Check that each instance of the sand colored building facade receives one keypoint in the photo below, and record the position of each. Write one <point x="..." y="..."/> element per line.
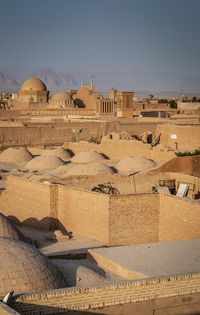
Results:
<point x="34" y="95"/>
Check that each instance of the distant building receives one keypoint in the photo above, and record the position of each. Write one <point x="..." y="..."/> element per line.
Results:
<point x="34" y="95"/>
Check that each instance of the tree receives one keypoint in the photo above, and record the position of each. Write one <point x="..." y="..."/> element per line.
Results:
<point x="173" y="104"/>
<point x="194" y="99"/>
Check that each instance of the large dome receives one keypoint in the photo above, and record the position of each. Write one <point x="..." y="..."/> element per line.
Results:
<point x="26" y="269"/>
<point x="33" y="84"/>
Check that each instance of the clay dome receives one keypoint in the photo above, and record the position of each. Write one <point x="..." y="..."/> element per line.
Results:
<point x="87" y="156"/>
<point x="26" y="269"/>
<point x="12" y="155"/>
<point x="33" y="84"/>
<point x="95" y="168"/>
<point x="131" y="164"/>
<point x="60" y="97"/>
<point x="59" y="152"/>
<point x="7" y="229"/>
<point x="44" y="162"/>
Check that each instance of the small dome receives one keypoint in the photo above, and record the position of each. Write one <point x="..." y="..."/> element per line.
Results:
<point x="12" y="155"/>
<point x="59" y="152"/>
<point x="7" y="229"/>
<point x="131" y="164"/>
<point x="95" y="168"/>
<point x="26" y="269"/>
<point x="60" y="97"/>
<point x="44" y="162"/>
<point x="87" y="156"/>
<point x="33" y="84"/>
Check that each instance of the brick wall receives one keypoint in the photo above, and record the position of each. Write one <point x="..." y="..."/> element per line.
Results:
<point x="84" y="212"/>
<point x="179" y="218"/>
<point x="114" y="220"/>
<point x="27" y="201"/>
<point x="93" y="297"/>
<point x="133" y="219"/>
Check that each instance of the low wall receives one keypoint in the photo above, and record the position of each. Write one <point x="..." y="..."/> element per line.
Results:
<point x="133" y="219"/>
<point x="116" y="294"/>
<point x="179" y="218"/>
<point x="114" y="220"/>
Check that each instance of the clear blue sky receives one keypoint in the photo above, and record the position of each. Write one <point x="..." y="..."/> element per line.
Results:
<point x="101" y="35"/>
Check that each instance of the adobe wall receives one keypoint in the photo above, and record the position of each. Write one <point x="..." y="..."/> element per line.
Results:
<point x="187" y="137"/>
<point x="114" y="220"/>
<point x="164" y="295"/>
<point x="179" y="218"/>
<point x="57" y="133"/>
<point x="116" y="149"/>
<point x="84" y="212"/>
<point x="133" y="219"/>
<point x="27" y="201"/>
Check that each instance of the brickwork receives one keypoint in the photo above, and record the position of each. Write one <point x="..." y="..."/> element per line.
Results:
<point x="84" y="212"/>
<point x="114" y="220"/>
<point x="133" y="219"/>
<point x="27" y="201"/>
<point x="53" y="207"/>
<point x="93" y="297"/>
<point x="179" y="219"/>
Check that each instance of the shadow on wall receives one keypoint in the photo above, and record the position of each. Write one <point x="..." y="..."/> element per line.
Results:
<point x="46" y="224"/>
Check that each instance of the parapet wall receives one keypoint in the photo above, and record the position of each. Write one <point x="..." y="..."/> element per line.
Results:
<point x="113" y="220"/>
<point x="114" y="294"/>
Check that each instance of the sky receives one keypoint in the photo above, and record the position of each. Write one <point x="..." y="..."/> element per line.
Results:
<point x="101" y="35"/>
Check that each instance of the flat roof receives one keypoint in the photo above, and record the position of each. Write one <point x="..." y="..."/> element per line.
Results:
<point x="151" y="260"/>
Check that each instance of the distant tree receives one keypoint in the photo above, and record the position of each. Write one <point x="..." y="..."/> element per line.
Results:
<point x="194" y="99"/>
<point x="162" y="100"/>
<point x="173" y="104"/>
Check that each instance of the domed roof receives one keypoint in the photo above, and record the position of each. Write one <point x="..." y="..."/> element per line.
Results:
<point x="60" y="96"/>
<point x="12" y="155"/>
<point x="44" y="162"/>
<point x="33" y="84"/>
<point x="60" y="152"/>
<point x="26" y="269"/>
<point x="95" y="168"/>
<point x="7" y="229"/>
<point x="87" y="156"/>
